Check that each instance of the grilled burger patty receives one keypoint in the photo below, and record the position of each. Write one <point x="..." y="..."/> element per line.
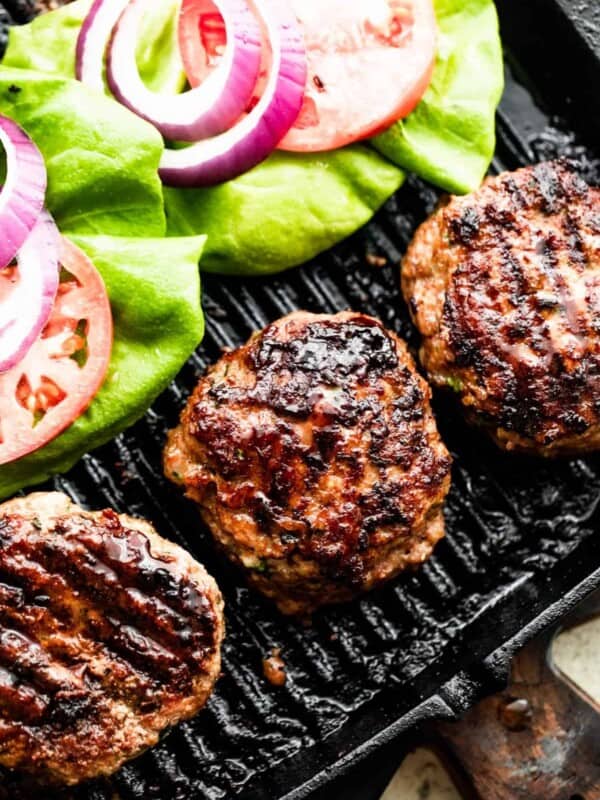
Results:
<point x="504" y="286"/>
<point x="314" y="456"/>
<point x="108" y="635"/>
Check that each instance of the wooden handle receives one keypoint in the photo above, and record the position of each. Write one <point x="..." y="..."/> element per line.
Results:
<point x="538" y="740"/>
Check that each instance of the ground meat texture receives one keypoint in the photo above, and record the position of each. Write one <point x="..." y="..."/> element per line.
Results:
<point x="314" y="457"/>
<point x="108" y="636"/>
<point x="504" y="286"/>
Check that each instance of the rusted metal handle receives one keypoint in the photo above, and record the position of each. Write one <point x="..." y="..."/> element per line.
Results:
<point x="539" y="739"/>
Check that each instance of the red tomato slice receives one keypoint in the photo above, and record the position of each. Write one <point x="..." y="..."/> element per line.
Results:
<point x="202" y="39"/>
<point x="63" y="371"/>
<point x="369" y="64"/>
<point x="202" y="43"/>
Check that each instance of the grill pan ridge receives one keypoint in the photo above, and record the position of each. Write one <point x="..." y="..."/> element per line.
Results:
<point x="520" y="547"/>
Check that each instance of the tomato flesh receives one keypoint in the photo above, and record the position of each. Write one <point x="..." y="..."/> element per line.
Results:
<point x="202" y="39"/>
<point x="202" y="43"/>
<point x="369" y="64"/>
<point x="65" y="367"/>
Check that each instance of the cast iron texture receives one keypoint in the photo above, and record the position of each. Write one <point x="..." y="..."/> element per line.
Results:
<point x="520" y="549"/>
<point x="558" y="42"/>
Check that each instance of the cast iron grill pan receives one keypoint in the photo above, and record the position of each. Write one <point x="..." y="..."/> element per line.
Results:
<point x="520" y="546"/>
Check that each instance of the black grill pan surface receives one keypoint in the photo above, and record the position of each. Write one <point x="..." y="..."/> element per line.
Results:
<point x="522" y="543"/>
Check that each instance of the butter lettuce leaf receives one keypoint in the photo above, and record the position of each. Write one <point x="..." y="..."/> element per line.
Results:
<point x="102" y="160"/>
<point x="154" y="290"/>
<point x="293" y="206"/>
<point x="449" y="139"/>
<point x="47" y="44"/>
<point x="285" y="211"/>
<point x="105" y="194"/>
<point x="104" y="191"/>
<point x="279" y="214"/>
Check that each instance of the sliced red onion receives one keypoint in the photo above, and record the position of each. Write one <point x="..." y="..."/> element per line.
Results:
<point x="23" y="193"/>
<point x="27" y="292"/>
<point x="210" y="108"/>
<point x="93" y="40"/>
<point x="256" y="135"/>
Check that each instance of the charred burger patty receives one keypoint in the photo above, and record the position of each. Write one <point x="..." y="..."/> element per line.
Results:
<point x="314" y="456"/>
<point x="504" y="286"/>
<point x="108" y="635"/>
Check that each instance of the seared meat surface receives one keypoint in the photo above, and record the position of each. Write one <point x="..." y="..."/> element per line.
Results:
<point x="504" y="286"/>
<point x="108" y="635"/>
<point x="314" y="456"/>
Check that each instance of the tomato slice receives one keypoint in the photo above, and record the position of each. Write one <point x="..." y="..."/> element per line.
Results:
<point x="369" y="64"/>
<point x="65" y="367"/>
<point x="202" y="39"/>
<point x="202" y="43"/>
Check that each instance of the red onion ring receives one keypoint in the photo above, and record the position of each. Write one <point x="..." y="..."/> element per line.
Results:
<point x="23" y="193"/>
<point x="93" y="40"/>
<point x="210" y="108"/>
<point x="27" y="292"/>
<point x="256" y="135"/>
<point x="201" y="53"/>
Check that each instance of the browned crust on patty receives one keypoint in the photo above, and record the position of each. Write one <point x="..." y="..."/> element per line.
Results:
<point x="504" y="286"/>
<point x="109" y="634"/>
<point x="315" y="459"/>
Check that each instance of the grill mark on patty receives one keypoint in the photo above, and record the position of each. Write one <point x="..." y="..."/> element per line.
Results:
<point x="72" y="649"/>
<point x="142" y="651"/>
<point x="63" y="608"/>
<point x="336" y="354"/>
<point x="128" y="552"/>
<point x="534" y="351"/>
<point x="186" y="636"/>
<point x="24" y="656"/>
<point x="570" y="311"/>
<point x="332" y="351"/>
<point x="99" y="599"/>
<point x="20" y="700"/>
<point x="57" y="695"/>
<point x="549" y="187"/>
<point x="517" y="196"/>
<point x="306" y="400"/>
<point x="573" y="236"/>
<point x="464" y="229"/>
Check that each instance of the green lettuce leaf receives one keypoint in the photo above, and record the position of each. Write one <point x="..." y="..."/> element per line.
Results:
<point x="278" y="215"/>
<point x="102" y="160"/>
<point x="285" y="211"/>
<point x="291" y="207"/>
<point x="104" y="192"/>
<point x="48" y="44"/>
<point x="450" y="137"/>
<point x="154" y="289"/>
